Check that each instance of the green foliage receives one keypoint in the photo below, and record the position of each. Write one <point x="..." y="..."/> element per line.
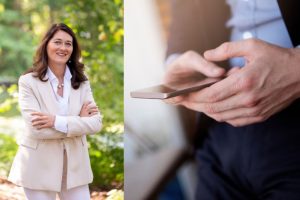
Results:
<point x="107" y="161"/>
<point x="9" y="101"/>
<point x="98" y="25"/>
<point x="8" y="148"/>
<point x="100" y="33"/>
<point x="16" y="41"/>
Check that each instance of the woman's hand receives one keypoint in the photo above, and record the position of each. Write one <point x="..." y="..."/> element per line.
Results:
<point x="88" y="109"/>
<point x="41" y="120"/>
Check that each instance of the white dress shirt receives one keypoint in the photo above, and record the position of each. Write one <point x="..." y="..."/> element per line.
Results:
<point x="254" y="19"/>
<point x="257" y="19"/>
<point x="60" y="123"/>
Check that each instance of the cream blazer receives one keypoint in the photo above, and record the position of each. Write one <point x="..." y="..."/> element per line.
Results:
<point x="38" y="163"/>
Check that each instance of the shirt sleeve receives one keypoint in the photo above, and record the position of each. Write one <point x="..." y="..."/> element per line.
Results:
<point x="61" y="124"/>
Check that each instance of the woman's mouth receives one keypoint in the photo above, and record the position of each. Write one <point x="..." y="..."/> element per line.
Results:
<point x="61" y="54"/>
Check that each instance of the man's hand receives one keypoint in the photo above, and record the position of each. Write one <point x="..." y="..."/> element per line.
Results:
<point x="41" y="120"/>
<point x="88" y="110"/>
<point x="269" y="82"/>
<point x="189" y="65"/>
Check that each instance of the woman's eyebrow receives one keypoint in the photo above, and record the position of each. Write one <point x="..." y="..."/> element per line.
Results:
<point x="61" y="39"/>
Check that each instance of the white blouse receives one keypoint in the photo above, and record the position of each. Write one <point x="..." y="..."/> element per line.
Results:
<point x="257" y="19"/>
<point x="60" y="123"/>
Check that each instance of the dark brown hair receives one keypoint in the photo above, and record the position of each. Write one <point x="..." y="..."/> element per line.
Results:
<point x="40" y="63"/>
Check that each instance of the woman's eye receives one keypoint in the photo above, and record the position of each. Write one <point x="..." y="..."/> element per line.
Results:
<point x="57" y="43"/>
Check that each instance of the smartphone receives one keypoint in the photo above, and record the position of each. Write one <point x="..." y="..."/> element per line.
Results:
<point x="165" y="91"/>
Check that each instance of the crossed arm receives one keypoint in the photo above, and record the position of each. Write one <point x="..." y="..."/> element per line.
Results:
<point x="43" y="120"/>
<point x="41" y="125"/>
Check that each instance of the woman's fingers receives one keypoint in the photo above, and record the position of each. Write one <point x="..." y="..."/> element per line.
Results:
<point x="89" y="109"/>
<point x="42" y="121"/>
<point x="37" y="114"/>
<point x="39" y="122"/>
<point x="46" y="125"/>
<point x="93" y="113"/>
<point x="85" y="105"/>
<point x="93" y="110"/>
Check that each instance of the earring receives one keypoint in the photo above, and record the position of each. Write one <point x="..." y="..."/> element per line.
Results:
<point x="69" y="61"/>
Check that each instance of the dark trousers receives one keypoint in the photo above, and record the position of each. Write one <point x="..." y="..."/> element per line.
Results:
<point x="260" y="161"/>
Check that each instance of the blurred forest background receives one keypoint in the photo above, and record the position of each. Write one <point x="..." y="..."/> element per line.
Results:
<point x="98" y="25"/>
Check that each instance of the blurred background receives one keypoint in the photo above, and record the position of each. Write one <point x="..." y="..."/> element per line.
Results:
<point x="98" y="25"/>
<point x="156" y="165"/>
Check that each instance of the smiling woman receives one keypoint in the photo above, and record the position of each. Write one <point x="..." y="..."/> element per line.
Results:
<point x="58" y="48"/>
<point x="59" y="110"/>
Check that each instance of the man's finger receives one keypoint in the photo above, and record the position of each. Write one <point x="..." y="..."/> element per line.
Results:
<point x="244" y="121"/>
<point x="231" y="103"/>
<point x="230" y="49"/>
<point x="237" y="114"/>
<point x="195" y="62"/>
<point x="217" y="92"/>
<point x="209" y="69"/>
<point x="174" y="100"/>
<point x="232" y="71"/>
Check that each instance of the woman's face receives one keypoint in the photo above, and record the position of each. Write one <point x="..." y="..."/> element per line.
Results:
<point x="59" y="48"/>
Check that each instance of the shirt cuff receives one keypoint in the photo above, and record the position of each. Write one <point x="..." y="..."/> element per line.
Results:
<point x="61" y="124"/>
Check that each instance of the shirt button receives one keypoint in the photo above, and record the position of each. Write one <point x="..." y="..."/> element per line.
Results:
<point x="247" y="35"/>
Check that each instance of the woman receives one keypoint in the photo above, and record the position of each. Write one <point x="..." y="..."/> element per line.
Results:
<point x="57" y="105"/>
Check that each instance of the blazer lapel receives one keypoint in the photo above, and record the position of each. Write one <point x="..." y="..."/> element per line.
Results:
<point x="74" y="101"/>
<point x="48" y="96"/>
<point x="50" y="100"/>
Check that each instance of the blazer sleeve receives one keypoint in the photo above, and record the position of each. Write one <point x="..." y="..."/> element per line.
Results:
<point x="84" y="125"/>
<point x="28" y="104"/>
